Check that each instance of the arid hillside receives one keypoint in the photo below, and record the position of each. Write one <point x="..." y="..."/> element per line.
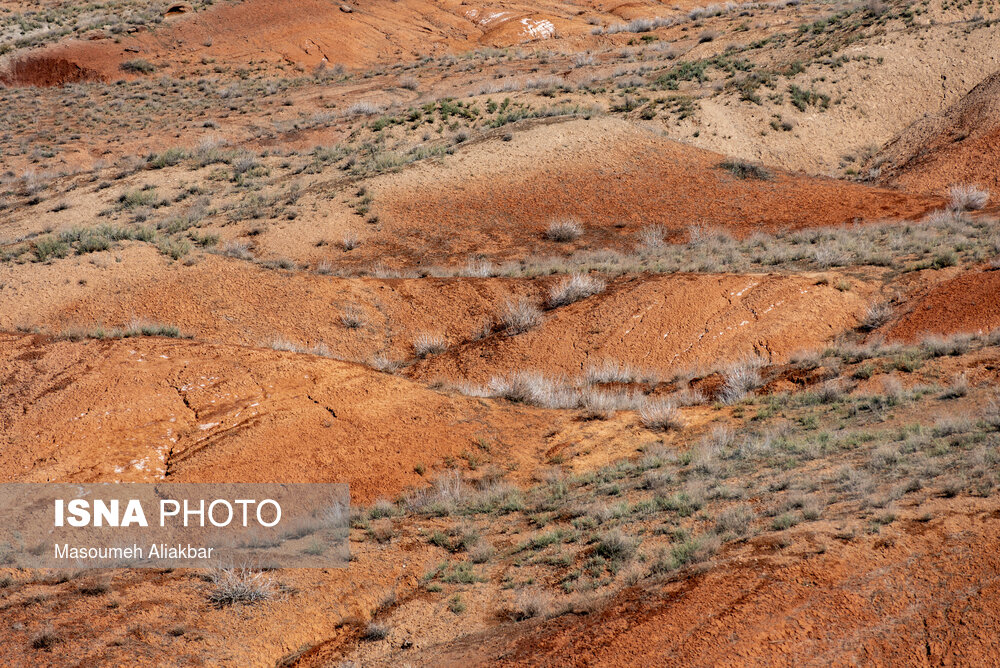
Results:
<point x="643" y="334"/>
<point x="957" y="146"/>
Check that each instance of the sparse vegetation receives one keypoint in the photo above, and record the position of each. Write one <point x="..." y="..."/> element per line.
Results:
<point x="287" y="345"/>
<point x="575" y="288"/>
<point x="375" y="632"/>
<point x="876" y="315"/>
<point x="240" y="585"/>
<point x="134" y="328"/>
<point x="735" y="520"/>
<point x="652" y="237"/>
<point x="564" y="231"/>
<point x="519" y="316"/>
<point x="138" y="66"/>
<point x="237" y="249"/>
<point x="352" y="318"/>
<point x="714" y="250"/>
<point x="660" y="415"/>
<point x="46" y="639"/>
<point x="740" y="379"/>
<point x="610" y="371"/>
<point x="631" y="448"/>
<point x="615" y="546"/>
<point x="968" y="198"/>
<point x="526" y="387"/>
<point x="529" y="604"/>
<point x="429" y="344"/>
<point x="746" y="170"/>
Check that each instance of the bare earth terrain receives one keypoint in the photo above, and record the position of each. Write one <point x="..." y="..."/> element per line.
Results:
<point x="643" y="333"/>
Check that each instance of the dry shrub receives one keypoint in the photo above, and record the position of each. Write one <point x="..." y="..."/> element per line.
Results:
<point x="429" y="344"/>
<point x="520" y="316"/>
<point x="564" y="230"/>
<point x="660" y="415"/>
<point x="533" y="388"/>
<point x="736" y="520"/>
<point x="968" y="197"/>
<point x="876" y="315"/>
<point x="740" y="379"/>
<point x="240" y="585"/>
<point x="575" y="288"/>
<point x="528" y="604"/>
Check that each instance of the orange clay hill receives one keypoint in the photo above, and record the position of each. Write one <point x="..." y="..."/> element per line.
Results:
<point x="956" y="146"/>
<point x="643" y="334"/>
<point x="614" y="179"/>
<point x="308" y="33"/>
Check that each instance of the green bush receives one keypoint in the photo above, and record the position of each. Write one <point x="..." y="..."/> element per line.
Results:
<point x="138" y="66"/>
<point x="50" y="247"/>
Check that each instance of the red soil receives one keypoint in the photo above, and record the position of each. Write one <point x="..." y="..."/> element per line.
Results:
<point x="924" y="595"/>
<point x="149" y="409"/>
<point x="966" y="303"/>
<point x="960" y="145"/>
<point x="128" y="625"/>
<point x="665" y="323"/>
<point x="219" y="408"/>
<point x="612" y="177"/>
<point x="46" y="70"/>
<point x="256" y="304"/>
<point x="660" y="321"/>
<point x="308" y="33"/>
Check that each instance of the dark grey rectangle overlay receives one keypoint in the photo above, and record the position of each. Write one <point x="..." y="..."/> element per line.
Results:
<point x="164" y="525"/>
